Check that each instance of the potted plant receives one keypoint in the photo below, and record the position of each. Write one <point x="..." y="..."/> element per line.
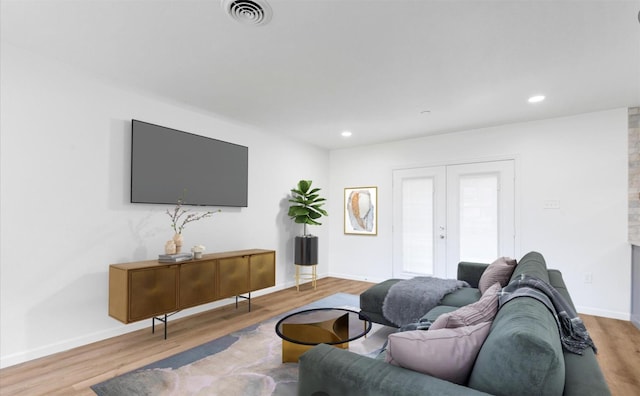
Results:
<point x="306" y="209"/>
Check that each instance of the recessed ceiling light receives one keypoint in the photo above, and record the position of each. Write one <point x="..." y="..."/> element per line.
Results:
<point x="536" y="99"/>
<point x="346" y="133"/>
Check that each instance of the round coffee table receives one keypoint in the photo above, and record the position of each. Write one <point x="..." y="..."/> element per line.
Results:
<point x="302" y="330"/>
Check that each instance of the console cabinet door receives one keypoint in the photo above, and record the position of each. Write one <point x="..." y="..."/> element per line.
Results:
<point x="197" y="283"/>
<point x="152" y="292"/>
<point x="263" y="270"/>
<point x="234" y="276"/>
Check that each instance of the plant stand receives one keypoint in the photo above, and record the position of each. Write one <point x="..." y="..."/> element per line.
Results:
<point x="306" y="255"/>
<point x="312" y="276"/>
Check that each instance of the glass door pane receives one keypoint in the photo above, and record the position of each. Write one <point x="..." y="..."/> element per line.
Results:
<point x="417" y="225"/>
<point x="479" y="218"/>
<point x="480" y="212"/>
<point x="418" y="222"/>
<point x="446" y="214"/>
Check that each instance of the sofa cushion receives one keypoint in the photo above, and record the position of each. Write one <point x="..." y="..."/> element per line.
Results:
<point x="326" y="370"/>
<point x="522" y="354"/>
<point x="461" y="297"/>
<point x="371" y="300"/>
<point x="498" y="271"/>
<point x="435" y="313"/>
<point x="483" y="310"/>
<point x="471" y="272"/>
<point x="447" y="354"/>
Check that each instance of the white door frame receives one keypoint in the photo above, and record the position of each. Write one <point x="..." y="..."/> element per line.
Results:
<point x="446" y="212"/>
<point x="438" y="253"/>
<point x="505" y="170"/>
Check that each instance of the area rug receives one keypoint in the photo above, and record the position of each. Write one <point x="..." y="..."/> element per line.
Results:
<point x="247" y="362"/>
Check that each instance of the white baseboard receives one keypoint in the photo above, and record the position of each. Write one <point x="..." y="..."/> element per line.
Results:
<point x="363" y="278"/>
<point x="120" y="329"/>
<point x="635" y="319"/>
<point x="604" y="313"/>
<point x="32" y="354"/>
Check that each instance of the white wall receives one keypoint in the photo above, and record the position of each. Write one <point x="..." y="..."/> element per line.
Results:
<point x="65" y="146"/>
<point x="65" y="215"/>
<point x="580" y="161"/>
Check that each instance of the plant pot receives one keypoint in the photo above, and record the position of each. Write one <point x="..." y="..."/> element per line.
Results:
<point x="306" y="250"/>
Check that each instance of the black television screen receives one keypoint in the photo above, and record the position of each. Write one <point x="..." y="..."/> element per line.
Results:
<point x="167" y="164"/>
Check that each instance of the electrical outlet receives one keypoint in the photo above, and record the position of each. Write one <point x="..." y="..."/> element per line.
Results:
<point x="588" y="277"/>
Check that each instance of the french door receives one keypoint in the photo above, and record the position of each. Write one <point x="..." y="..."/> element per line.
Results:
<point x="446" y="214"/>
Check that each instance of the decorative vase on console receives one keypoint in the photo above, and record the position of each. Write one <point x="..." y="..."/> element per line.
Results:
<point x="177" y="240"/>
<point x="180" y="218"/>
<point x="170" y="247"/>
<point x="197" y="251"/>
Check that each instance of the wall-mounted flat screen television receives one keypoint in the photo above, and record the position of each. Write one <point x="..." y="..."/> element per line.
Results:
<point x="167" y="164"/>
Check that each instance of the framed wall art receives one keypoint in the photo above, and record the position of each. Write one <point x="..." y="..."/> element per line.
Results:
<point x="361" y="210"/>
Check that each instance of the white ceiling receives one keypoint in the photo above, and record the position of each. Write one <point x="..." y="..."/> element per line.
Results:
<point x="372" y="67"/>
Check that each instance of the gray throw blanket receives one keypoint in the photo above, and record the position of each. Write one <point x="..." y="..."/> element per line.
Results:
<point x="408" y="300"/>
<point x="573" y="334"/>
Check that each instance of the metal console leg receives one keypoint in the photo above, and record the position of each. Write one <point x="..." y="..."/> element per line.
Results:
<point x="164" y="319"/>
<point x="161" y="319"/>
<point x="248" y="298"/>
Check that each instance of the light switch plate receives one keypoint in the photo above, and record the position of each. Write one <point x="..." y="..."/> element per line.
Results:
<point x="551" y="204"/>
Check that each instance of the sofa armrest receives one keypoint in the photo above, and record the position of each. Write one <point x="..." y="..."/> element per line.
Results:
<point x="583" y="375"/>
<point x="327" y="370"/>
<point x="471" y="272"/>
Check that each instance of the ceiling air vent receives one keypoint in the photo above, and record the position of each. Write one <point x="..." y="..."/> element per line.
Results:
<point x="248" y="12"/>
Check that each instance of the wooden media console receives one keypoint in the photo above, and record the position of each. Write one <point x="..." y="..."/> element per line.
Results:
<point x="150" y="289"/>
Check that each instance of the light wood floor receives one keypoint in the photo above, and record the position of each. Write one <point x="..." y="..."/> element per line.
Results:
<point x="73" y="372"/>
<point x="618" y="344"/>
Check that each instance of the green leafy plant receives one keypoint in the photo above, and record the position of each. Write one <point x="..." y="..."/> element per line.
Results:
<point x="306" y="205"/>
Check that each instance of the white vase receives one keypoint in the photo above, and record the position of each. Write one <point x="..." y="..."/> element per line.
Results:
<point x="170" y="247"/>
<point x="177" y="239"/>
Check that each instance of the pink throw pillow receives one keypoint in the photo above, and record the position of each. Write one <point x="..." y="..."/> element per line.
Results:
<point x="483" y="310"/>
<point x="498" y="271"/>
<point x="448" y="354"/>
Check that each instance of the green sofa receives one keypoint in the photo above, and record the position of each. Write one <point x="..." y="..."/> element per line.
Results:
<point x="522" y="355"/>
